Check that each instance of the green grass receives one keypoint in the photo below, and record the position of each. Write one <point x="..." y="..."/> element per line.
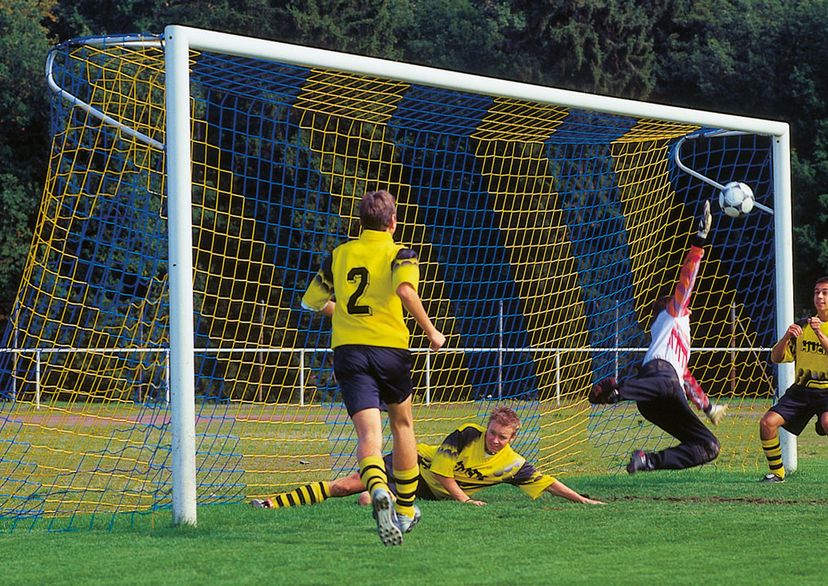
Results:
<point x="703" y="526"/>
<point x="714" y="525"/>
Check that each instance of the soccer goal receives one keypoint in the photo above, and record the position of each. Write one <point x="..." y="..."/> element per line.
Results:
<point x="158" y="355"/>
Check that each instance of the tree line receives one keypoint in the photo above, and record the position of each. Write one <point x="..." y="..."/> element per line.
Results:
<point x="758" y="58"/>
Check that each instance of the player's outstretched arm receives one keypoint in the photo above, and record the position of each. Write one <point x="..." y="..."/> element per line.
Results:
<point x="690" y="267"/>
<point x="558" y="488"/>
<point x="451" y="486"/>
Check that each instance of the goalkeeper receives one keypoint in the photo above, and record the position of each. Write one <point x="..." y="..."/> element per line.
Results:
<point x="663" y="384"/>
<point x="470" y="459"/>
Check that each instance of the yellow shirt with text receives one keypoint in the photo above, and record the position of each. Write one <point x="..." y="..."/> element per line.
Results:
<point x="463" y="456"/>
<point x="810" y="358"/>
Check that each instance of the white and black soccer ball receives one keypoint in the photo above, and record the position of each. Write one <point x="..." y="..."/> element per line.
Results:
<point x="736" y="199"/>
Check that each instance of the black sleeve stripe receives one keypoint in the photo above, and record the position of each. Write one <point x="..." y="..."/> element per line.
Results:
<point x="321" y="282"/>
<point x="327" y="269"/>
<point x="460" y="438"/>
<point x="525" y="475"/>
<point x="405" y="256"/>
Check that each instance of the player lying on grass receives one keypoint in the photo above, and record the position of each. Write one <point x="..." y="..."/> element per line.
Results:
<point x="663" y="383"/>
<point x="806" y="344"/>
<point x="469" y="459"/>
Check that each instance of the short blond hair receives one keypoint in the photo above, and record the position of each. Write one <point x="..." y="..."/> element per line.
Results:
<point x="376" y="210"/>
<point x="505" y="416"/>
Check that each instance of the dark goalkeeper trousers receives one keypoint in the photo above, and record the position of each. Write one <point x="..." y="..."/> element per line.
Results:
<point x="659" y="395"/>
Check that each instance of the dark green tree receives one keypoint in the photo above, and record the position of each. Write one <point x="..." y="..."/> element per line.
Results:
<point x="600" y="46"/>
<point x="358" y="27"/>
<point x="763" y="59"/>
<point x="719" y="54"/>
<point x="462" y="35"/>
<point x="111" y="17"/>
<point x="800" y="95"/>
<point x="24" y="115"/>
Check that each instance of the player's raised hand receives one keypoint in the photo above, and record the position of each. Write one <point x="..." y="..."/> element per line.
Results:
<point x="795" y="330"/>
<point x="705" y="221"/>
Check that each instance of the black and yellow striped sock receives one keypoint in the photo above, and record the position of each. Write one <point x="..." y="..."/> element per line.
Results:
<point x="310" y="494"/>
<point x="372" y="473"/>
<point x="773" y="452"/>
<point x="406" y="482"/>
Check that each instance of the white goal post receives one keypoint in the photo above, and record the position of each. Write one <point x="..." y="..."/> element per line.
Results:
<point x="179" y="41"/>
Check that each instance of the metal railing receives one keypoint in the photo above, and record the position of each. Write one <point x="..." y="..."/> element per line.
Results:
<point x="500" y="351"/>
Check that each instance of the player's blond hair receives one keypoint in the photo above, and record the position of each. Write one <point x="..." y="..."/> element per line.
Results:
<point x="376" y="210"/>
<point x="506" y="417"/>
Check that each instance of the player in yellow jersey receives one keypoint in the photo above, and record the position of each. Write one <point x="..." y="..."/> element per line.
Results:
<point x="806" y="344"/>
<point x="363" y="286"/>
<point x="469" y="459"/>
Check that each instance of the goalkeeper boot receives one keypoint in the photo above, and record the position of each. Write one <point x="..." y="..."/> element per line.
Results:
<point x="771" y="478"/>
<point x="604" y="392"/>
<point x="386" y="517"/>
<point x="639" y="462"/>
<point x="406" y="523"/>
<point x="261" y="503"/>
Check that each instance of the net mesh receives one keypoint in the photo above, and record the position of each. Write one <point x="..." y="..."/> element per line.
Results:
<point x="544" y="234"/>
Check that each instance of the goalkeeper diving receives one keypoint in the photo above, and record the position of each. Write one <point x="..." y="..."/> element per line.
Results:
<point x="663" y="384"/>
<point x="469" y="459"/>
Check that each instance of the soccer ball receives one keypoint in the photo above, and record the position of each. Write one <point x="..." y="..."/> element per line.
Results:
<point x="736" y="199"/>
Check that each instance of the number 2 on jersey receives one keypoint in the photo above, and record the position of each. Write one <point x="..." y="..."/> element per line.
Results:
<point x="358" y="275"/>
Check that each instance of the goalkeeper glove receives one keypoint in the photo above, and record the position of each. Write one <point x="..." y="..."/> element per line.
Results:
<point x="705" y="221"/>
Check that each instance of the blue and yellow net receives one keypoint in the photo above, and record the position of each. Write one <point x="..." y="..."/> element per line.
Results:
<point x="544" y="234"/>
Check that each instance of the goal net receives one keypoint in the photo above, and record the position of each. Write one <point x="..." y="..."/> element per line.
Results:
<point x="546" y="224"/>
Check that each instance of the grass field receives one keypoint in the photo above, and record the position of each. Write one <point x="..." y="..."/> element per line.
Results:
<point x="702" y="526"/>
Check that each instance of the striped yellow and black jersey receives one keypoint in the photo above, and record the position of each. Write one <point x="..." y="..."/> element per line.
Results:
<point x="363" y="276"/>
<point x="810" y="358"/>
<point x="463" y="455"/>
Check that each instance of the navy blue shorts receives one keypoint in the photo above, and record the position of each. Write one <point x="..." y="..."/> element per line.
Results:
<point x="798" y="405"/>
<point x="370" y="377"/>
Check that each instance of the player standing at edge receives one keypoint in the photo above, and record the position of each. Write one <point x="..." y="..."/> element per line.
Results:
<point x="663" y="379"/>
<point x="371" y="279"/>
<point x="805" y="343"/>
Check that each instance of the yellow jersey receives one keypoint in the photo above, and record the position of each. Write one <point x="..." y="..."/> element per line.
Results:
<point x="362" y="276"/>
<point x="463" y="456"/>
<point x="810" y="358"/>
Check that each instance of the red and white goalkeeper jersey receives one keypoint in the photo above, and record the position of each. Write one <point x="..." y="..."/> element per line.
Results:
<point x="671" y="328"/>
